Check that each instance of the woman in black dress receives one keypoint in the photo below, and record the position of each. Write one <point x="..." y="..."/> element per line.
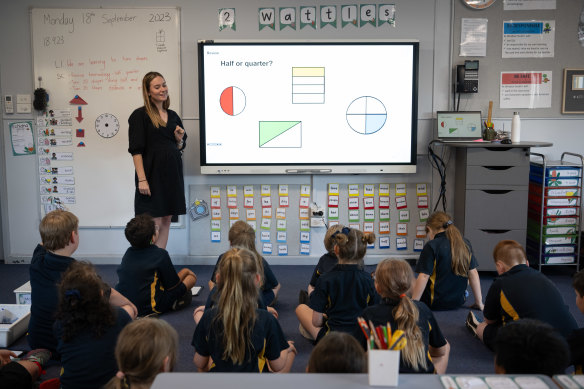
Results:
<point x="157" y="139"/>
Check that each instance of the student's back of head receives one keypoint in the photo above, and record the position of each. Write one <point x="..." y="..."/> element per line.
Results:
<point x="140" y="231"/>
<point x="241" y="234"/>
<point x="352" y="244"/>
<point x="510" y="253"/>
<point x="529" y="346"/>
<point x="56" y="228"/>
<point x="459" y="251"/>
<point x="238" y="293"/>
<point x="578" y="283"/>
<point x="393" y="280"/>
<point x="83" y="301"/>
<point x="145" y="348"/>
<point x="337" y="352"/>
<point x="329" y="243"/>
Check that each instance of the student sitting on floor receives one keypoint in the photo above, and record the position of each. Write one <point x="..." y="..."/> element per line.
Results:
<point x="576" y="338"/>
<point x="337" y="352"/>
<point x="60" y="239"/>
<point x="241" y="234"/>
<point x="446" y="266"/>
<point x="426" y="349"/>
<point x="87" y="327"/>
<point x="145" y="348"/>
<point x="529" y="346"/>
<point x="519" y="292"/>
<point x="325" y="264"/>
<point x="236" y="336"/>
<point x="342" y="293"/>
<point x="147" y="276"/>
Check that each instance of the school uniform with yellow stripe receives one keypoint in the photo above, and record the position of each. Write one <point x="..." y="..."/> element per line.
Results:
<point x="525" y="293"/>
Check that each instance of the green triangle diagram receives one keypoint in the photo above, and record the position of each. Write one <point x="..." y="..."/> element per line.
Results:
<point x="271" y="130"/>
<point x="451" y="130"/>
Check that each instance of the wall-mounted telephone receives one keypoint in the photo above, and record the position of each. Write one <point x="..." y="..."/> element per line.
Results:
<point x="467" y="77"/>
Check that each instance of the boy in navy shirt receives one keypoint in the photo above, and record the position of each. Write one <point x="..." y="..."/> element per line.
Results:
<point x="147" y="276"/>
<point x="60" y="239"/>
<point x="519" y="292"/>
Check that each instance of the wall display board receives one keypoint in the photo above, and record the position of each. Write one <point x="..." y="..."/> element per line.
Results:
<point x="91" y="63"/>
<point x="281" y="214"/>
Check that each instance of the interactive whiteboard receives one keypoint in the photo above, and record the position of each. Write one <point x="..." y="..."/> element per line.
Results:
<point x="308" y="107"/>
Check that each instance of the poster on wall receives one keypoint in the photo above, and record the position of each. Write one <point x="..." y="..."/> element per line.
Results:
<point x="528" y="39"/>
<point x="526" y="89"/>
<point x="513" y="5"/>
<point x="473" y="37"/>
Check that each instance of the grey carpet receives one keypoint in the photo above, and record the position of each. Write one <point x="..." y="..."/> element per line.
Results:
<point x="467" y="354"/>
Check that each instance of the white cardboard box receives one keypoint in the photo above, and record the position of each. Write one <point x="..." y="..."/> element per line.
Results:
<point x="19" y="316"/>
<point x="23" y="294"/>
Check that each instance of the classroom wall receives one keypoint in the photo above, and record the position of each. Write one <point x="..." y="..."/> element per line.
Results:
<point x="430" y="21"/>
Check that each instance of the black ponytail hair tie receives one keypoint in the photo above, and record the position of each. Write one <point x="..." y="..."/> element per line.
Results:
<point x="445" y="225"/>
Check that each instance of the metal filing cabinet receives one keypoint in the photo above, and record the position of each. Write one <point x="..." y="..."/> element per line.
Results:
<point x="490" y="200"/>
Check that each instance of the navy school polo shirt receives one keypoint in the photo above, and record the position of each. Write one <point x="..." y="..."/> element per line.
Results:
<point x="382" y="313"/>
<point x="525" y="293"/>
<point x="343" y="293"/>
<point x="267" y="342"/>
<point x="444" y="289"/>
<point x="46" y="270"/>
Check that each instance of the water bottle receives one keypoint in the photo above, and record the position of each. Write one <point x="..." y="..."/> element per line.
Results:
<point x="515" y="128"/>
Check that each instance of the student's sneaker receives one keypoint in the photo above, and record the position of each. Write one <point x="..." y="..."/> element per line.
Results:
<point x="303" y="297"/>
<point x="305" y="333"/>
<point x="472" y="323"/>
<point x="184" y="301"/>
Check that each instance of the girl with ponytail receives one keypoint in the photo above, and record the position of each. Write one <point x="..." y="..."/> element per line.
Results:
<point x="426" y="350"/>
<point x="446" y="267"/>
<point x="235" y="334"/>
<point x="343" y="292"/>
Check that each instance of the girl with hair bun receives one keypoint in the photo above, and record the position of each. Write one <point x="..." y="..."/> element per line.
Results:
<point x="426" y="349"/>
<point x="145" y="348"/>
<point x="446" y="267"/>
<point x="342" y="293"/>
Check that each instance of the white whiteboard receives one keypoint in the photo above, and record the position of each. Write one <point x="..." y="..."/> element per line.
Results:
<point x="101" y="56"/>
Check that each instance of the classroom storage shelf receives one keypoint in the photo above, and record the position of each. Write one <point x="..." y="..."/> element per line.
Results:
<point x="554" y="209"/>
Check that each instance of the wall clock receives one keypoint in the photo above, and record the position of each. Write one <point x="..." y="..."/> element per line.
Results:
<point x="478" y="4"/>
<point x="107" y="125"/>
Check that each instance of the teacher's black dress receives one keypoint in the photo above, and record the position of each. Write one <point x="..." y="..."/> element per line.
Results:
<point x="162" y="164"/>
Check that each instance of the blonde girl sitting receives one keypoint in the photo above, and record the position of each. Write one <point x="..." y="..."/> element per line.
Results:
<point x="446" y="267"/>
<point x="235" y="335"/>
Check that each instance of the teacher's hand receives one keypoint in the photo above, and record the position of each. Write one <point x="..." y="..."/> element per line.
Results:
<point x="144" y="188"/>
<point x="179" y="134"/>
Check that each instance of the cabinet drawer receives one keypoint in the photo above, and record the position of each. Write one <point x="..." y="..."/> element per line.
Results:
<point x="497" y="156"/>
<point x="496" y="209"/>
<point x="483" y="242"/>
<point x="497" y="175"/>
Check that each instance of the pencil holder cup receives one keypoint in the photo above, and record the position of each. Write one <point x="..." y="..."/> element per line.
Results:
<point x="383" y="367"/>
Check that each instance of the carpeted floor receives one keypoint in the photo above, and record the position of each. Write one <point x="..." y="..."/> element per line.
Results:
<point x="467" y="354"/>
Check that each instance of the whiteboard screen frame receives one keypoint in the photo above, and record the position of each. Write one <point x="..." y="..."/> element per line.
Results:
<point x="332" y="153"/>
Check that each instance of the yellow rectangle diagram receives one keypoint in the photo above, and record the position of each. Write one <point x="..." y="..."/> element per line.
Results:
<point x="307" y="72"/>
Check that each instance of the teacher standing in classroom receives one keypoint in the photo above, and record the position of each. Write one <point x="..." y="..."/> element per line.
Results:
<point x="157" y="139"/>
